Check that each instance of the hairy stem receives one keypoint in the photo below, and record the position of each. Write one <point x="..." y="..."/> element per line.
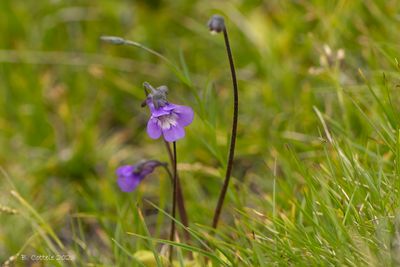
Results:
<point x="174" y="193"/>
<point x="224" y="189"/>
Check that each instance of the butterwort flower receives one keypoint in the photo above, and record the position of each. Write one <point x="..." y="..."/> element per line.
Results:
<point x="166" y="119"/>
<point x="129" y="176"/>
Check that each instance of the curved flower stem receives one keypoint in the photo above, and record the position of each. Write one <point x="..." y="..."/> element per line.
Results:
<point x="121" y="41"/>
<point x="172" y="234"/>
<point x="222" y="194"/>
<point x="179" y="198"/>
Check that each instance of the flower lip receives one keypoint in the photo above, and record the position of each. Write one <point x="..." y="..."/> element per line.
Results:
<point x="129" y="176"/>
<point x="169" y="121"/>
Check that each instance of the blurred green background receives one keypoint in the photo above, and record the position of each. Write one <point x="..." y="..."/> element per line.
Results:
<point x="70" y="115"/>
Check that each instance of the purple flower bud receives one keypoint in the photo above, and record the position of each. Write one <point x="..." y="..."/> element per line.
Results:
<point x="216" y="24"/>
<point x="129" y="176"/>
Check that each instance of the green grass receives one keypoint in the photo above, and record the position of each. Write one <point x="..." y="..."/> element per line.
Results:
<point x="317" y="170"/>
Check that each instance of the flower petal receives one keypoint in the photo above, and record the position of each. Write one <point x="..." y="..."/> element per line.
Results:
<point x="125" y="170"/>
<point x="157" y="112"/>
<point x="127" y="180"/>
<point x="153" y="130"/>
<point x="128" y="183"/>
<point x="174" y="133"/>
<point x="185" y="115"/>
<point x="161" y="111"/>
<point x="169" y="106"/>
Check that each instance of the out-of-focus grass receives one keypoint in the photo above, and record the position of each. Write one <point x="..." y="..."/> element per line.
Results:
<point x="316" y="176"/>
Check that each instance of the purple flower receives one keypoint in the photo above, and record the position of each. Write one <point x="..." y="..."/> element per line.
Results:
<point x="129" y="176"/>
<point x="168" y="120"/>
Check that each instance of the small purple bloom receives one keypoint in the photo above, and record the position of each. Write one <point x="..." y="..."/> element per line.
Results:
<point x="168" y="120"/>
<point x="129" y="176"/>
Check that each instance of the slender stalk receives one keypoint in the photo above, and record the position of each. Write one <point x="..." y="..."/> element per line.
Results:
<point x="222" y="194"/>
<point x="172" y="234"/>
<point x="121" y="41"/>
<point x="179" y="198"/>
